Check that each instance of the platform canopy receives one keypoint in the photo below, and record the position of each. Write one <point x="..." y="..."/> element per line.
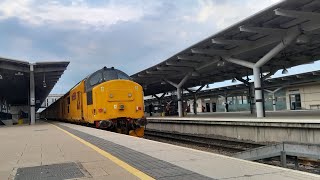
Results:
<point x="15" y="80"/>
<point x="281" y="36"/>
<point x="270" y="84"/>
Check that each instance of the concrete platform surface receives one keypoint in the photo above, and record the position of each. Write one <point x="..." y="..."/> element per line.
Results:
<point x="208" y="164"/>
<point x="44" y="144"/>
<point x="99" y="155"/>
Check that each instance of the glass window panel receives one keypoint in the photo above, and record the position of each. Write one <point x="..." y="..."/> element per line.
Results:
<point x="95" y="79"/>
<point x="110" y="75"/>
<point x="122" y="75"/>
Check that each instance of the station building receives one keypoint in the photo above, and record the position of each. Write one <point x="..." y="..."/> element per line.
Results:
<point x="50" y="99"/>
<point x="286" y="93"/>
<point x="302" y="97"/>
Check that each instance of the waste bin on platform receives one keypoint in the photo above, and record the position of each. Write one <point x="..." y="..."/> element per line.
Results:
<point x="20" y="121"/>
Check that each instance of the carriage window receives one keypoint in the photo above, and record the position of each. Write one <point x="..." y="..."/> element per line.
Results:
<point x="95" y="79"/>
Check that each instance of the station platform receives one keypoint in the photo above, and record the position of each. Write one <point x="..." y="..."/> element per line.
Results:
<point x="283" y="114"/>
<point x="295" y="126"/>
<point x="64" y="151"/>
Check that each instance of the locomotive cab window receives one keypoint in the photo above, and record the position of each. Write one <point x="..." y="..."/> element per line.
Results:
<point x="103" y="75"/>
<point x="122" y="75"/>
<point x="95" y="79"/>
<point x="109" y="75"/>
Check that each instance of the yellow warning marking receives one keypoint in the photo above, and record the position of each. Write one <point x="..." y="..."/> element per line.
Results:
<point x="114" y="159"/>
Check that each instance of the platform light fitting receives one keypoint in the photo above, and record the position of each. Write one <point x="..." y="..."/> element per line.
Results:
<point x="234" y="80"/>
<point x="302" y="39"/>
<point x="220" y="63"/>
<point x="44" y="80"/>
<point x="145" y="87"/>
<point x="195" y="74"/>
<point x="284" y="71"/>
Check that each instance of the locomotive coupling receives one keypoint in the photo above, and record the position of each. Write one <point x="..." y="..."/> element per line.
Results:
<point x="142" y="122"/>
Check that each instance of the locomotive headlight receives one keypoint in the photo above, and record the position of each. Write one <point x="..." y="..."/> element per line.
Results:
<point x="129" y="95"/>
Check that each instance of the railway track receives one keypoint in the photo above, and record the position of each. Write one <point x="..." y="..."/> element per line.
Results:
<point x="230" y="145"/>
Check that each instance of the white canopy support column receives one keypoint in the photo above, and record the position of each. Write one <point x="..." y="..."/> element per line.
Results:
<point x="258" y="92"/>
<point x="291" y="36"/>
<point x="249" y="93"/>
<point x="32" y="96"/>
<point x="226" y="102"/>
<point x="159" y="98"/>
<point x="179" y="90"/>
<point x="1" y="104"/>
<point x="194" y="93"/>
<point x="274" y="101"/>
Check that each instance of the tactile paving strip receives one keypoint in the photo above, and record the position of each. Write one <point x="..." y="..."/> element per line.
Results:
<point x="50" y="172"/>
<point x="154" y="167"/>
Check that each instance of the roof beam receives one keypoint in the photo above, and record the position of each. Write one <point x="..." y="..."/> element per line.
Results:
<point x="230" y="41"/>
<point x="161" y="68"/>
<point x="181" y="63"/>
<point x="265" y="41"/>
<point x="195" y="58"/>
<point x="213" y="52"/>
<point x="240" y="62"/>
<point x="204" y="65"/>
<point x="49" y="69"/>
<point x="159" y="72"/>
<point x="297" y="14"/>
<point x="316" y="73"/>
<point x="262" y="30"/>
<point x="293" y="23"/>
<point x="14" y="67"/>
<point x="311" y="25"/>
<point x="148" y="76"/>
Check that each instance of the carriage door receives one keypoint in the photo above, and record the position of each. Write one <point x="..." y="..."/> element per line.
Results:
<point x="79" y="103"/>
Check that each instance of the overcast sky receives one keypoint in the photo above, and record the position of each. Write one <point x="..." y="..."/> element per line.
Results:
<point x="130" y="35"/>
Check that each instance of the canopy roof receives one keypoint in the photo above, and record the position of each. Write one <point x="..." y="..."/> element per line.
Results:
<point x="248" y="40"/>
<point x="270" y="84"/>
<point x="15" y="76"/>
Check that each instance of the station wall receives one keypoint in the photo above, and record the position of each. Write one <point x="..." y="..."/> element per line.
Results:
<point x="302" y="97"/>
<point x="309" y="96"/>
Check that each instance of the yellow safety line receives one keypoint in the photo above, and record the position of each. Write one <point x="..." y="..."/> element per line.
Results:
<point x="114" y="159"/>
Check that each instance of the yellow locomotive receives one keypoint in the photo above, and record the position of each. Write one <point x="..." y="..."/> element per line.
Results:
<point x="107" y="99"/>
